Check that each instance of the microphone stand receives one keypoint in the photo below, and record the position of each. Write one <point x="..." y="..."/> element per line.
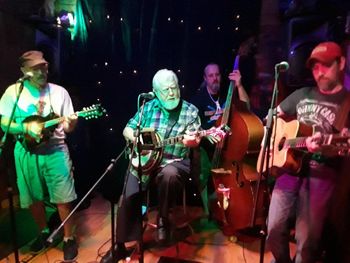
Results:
<point x="9" y="187"/>
<point x="138" y="146"/>
<point x="265" y="156"/>
<point x="108" y="169"/>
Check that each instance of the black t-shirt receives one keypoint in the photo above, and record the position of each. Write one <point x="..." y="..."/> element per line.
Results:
<point x="207" y="107"/>
<point x="309" y="106"/>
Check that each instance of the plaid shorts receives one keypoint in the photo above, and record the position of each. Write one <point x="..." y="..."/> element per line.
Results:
<point x="44" y="175"/>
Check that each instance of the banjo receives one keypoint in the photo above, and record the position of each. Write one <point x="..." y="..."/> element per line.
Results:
<point x="152" y="146"/>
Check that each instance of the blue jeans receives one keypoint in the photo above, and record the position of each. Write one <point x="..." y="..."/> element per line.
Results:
<point x="307" y="198"/>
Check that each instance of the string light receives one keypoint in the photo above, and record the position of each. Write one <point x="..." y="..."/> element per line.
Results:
<point x="181" y="21"/>
<point x="90" y="21"/>
<point x="121" y="19"/>
<point x="120" y="72"/>
<point x="169" y="19"/>
<point x="179" y="70"/>
<point x="106" y="63"/>
<point x="108" y="16"/>
<point x="238" y="16"/>
<point x="237" y="28"/>
<point x="218" y="28"/>
<point x="199" y="28"/>
<point x="134" y="71"/>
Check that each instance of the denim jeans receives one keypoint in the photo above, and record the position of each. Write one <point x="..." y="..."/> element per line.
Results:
<point x="307" y="198"/>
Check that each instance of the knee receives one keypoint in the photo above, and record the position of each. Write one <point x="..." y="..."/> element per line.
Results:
<point x="168" y="174"/>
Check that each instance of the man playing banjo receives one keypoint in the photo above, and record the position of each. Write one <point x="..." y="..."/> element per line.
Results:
<point x="169" y="116"/>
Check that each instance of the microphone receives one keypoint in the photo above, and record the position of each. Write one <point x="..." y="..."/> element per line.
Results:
<point x="27" y="75"/>
<point x="149" y="95"/>
<point x="282" y="66"/>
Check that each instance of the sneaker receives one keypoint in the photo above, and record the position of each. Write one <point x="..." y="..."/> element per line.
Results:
<point x="70" y="250"/>
<point x="39" y="243"/>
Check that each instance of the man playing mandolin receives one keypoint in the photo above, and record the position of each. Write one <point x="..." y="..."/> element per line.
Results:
<point x="170" y="117"/>
<point x="306" y="196"/>
<point x="46" y="167"/>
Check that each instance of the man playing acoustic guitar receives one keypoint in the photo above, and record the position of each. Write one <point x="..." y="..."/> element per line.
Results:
<point x="47" y="167"/>
<point x="306" y="196"/>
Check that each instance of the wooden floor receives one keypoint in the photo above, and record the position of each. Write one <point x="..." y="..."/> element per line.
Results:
<point x="202" y="242"/>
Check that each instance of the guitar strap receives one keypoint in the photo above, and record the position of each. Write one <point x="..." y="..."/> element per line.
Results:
<point x="173" y="117"/>
<point x="343" y="112"/>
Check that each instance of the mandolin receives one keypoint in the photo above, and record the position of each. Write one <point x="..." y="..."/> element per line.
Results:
<point x="50" y="122"/>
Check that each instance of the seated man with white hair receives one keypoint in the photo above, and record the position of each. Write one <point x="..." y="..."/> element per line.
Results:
<point x="169" y="116"/>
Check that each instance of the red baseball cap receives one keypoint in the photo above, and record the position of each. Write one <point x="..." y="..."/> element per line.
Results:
<point x="325" y="52"/>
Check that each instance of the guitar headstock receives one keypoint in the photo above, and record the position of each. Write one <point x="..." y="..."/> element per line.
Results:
<point x="93" y="111"/>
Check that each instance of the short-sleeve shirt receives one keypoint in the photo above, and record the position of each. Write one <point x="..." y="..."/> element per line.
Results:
<point x="51" y="99"/>
<point x="314" y="108"/>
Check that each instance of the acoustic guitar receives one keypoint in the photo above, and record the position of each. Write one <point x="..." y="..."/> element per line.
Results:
<point x="50" y="122"/>
<point x="288" y="147"/>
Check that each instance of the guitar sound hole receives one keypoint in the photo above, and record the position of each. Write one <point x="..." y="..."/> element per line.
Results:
<point x="281" y="143"/>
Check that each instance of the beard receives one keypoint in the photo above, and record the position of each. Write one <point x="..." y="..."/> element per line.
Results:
<point x="170" y="104"/>
<point x="214" y="88"/>
<point x="326" y="84"/>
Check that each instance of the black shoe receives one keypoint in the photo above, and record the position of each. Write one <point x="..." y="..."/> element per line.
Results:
<point x="40" y="243"/>
<point x="70" y="250"/>
<point x="162" y="230"/>
<point x="119" y="253"/>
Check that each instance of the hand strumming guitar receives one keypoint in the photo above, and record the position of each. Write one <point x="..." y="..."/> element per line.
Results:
<point x="34" y="130"/>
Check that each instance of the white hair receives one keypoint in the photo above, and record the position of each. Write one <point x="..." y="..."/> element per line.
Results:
<point x="164" y="77"/>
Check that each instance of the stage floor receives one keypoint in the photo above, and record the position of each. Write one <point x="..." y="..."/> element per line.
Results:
<point x="201" y="241"/>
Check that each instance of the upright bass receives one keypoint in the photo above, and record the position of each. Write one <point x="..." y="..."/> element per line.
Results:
<point x="233" y="168"/>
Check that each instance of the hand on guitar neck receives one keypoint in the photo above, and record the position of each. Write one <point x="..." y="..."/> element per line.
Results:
<point x="69" y="122"/>
<point x="219" y="134"/>
<point x="315" y="144"/>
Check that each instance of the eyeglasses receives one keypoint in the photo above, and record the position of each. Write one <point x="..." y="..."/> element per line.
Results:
<point x="167" y="90"/>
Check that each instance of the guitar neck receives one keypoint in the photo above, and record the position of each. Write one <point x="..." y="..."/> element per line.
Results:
<point x="173" y="140"/>
<point x="55" y="121"/>
<point x="328" y="139"/>
<point x="296" y="143"/>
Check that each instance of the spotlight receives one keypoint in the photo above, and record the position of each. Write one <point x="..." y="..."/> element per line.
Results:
<point x="65" y="19"/>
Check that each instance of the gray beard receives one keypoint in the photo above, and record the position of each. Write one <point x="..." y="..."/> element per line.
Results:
<point x="170" y="105"/>
<point x="215" y="88"/>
